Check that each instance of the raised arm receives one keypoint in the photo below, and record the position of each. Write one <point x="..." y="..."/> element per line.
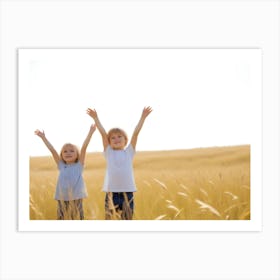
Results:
<point x="85" y="144"/>
<point x="145" y="113"/>
<point x="93" y="114"/>
<point x="42" y="135"/>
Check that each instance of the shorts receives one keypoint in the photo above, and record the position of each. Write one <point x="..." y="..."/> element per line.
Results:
<point x="70" y="210"/>
<point x="119" y="206"/>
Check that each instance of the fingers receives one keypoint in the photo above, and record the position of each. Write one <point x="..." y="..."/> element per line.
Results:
<point x="91" y="112"/>
<point x="147" y="110"/>
<point x="93" y="127"/>
<point x="39" y="133"/>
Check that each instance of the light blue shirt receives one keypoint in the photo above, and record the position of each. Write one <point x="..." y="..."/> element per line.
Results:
<point x="70" y="184"/>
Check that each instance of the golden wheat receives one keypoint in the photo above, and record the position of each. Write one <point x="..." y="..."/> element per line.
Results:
<point x="197" y="184"/>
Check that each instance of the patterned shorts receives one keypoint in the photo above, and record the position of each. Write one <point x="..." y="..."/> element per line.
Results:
<point x="70" y="210"/>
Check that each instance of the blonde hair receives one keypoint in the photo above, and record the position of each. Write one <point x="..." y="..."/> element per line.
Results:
<point x="75" y="147"/>
<point x="117" y="130"/>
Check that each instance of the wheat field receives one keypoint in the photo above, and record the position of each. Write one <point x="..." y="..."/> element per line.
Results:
<point x="197" y="184"/>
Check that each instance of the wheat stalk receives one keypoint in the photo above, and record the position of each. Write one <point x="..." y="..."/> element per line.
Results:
<point x="204" y="205"/>
<point x="160" y="183"/>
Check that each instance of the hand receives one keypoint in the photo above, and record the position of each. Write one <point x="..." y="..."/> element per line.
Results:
<point x="146" y="111"/>
<point x="93" y="127"/>
<point x="92" y="113"/>
<point x="39" y="133"/>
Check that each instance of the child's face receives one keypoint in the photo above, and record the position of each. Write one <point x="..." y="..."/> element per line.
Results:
<point x="117" y="141"/>
<point x="69" y="154"/>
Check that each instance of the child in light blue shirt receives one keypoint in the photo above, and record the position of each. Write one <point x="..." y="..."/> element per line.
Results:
<point x="70" y="187"/>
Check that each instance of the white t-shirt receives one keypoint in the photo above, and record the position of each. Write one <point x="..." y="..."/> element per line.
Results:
<point x="119" y="172"/>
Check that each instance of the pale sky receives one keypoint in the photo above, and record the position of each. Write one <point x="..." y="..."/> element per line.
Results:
<point x="200" y="97"/>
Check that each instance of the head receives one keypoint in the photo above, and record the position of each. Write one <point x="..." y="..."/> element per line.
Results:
<point x="69" y="153"/>
<point x="117" y="138"/>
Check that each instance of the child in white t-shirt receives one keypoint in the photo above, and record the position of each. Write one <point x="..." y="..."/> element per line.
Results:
<point x="119" y="183"/>
<point x="70" y="187"/>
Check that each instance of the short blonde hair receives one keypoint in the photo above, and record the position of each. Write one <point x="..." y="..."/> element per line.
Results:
<point x="72" y="145"/>
<point x="117" y="130"/>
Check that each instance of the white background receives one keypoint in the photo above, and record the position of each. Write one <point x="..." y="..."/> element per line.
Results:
<point x="200" y="97"/>
<point x="150" y="255"/>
